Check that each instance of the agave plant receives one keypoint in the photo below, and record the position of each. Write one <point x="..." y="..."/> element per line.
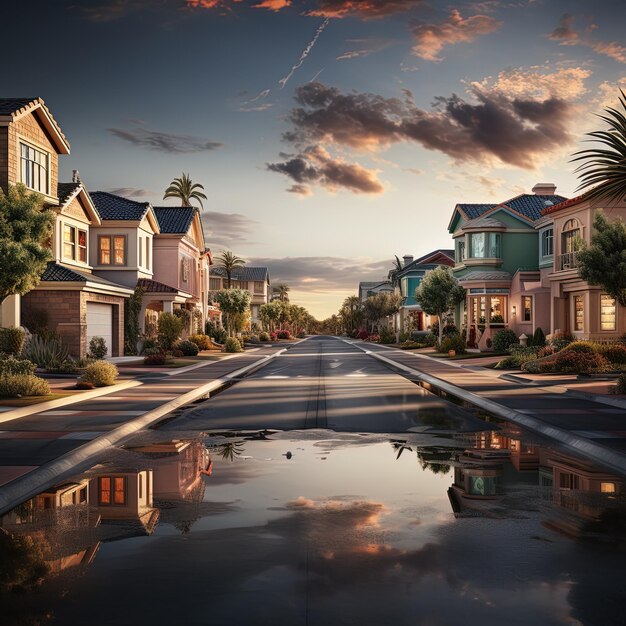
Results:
<point x="46" y="353"/>
<point x="603" y="171"/>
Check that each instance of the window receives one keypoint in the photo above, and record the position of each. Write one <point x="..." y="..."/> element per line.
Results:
<point x="140" y="486"/>
<point x="608" y="312"/>
<point x="547" y="242"/>
<point x="460" y="250"/>
<point x="527" y="308"/>
<point x="112" y="490"/>
<point x="259" y="286"/>
<point x="34" y="168"/>
<point x="579" y="313"/>
<point x="74" y="243"/>
<point x="571" y="235"/>
<point x="185" y="270"/>
<point x="141" y="251"/>
<point x="148" y="253"/>
<point x="497" y="310"/>
<point x="494" y="246"/>
<point x="568" y="481"/>
<point x="607" y="488"/>
<point x="112" y="250"/>
<point x="484" y="245"/>
<point x="478" y="245"/>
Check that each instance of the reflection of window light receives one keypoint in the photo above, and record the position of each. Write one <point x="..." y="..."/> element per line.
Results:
<point x="607" y="487"/>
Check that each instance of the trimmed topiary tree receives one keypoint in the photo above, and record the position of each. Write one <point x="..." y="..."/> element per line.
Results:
<point x="539" y="338"/>
<point x="504" y="339"/>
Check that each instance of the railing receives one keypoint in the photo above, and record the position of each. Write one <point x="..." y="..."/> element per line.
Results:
<point x="567" y="261"/>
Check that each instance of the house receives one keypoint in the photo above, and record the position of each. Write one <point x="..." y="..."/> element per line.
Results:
<point x="254" y="280"/>
<point x="367" y="289"/>
<point x="408" y="279"/>
<point x="496" y="261"/>
<point x="70" y="299"/>
<point x="574" y="306"/>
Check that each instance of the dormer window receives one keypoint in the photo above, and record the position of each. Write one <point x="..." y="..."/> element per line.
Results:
<point x="74" y="243"/>
<point x="34" y="168"/>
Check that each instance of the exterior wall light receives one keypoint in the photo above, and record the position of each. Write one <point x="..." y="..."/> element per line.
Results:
<point x="514" y="310"/>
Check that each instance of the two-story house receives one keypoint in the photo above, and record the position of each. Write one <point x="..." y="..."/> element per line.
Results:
<point x="574" y="306"/>
<point x="408" y="279"/>
<point x="70" y="299"/>
<point x="254" y="280"/>
<point x="496" y="254"/>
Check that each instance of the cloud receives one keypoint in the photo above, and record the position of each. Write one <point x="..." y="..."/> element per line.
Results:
<point x="566" y="35"/>
<point x="515" y="131"/>
<point x="272" y="5"/>
<point x="228" y="229"/>
<point x="430" y="39"/>
<point x="164" y="142"/>
<point x="315" y="165"/>
<point x="365" y="48"/>
<point x="365" y="9"/>
<point x="131" y="192"/>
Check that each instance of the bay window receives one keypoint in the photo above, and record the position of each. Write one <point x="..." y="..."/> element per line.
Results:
<point x="485" y="245"/>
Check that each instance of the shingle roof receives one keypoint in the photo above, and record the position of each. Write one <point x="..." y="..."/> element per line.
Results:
<point x="153" y="286"/>
<point x="484" y="222"/>
<point x="243" y="273"/>
<point x="531" y="205"/>
<point x="562" y="205"/>
<point x="112" y="207"/>
<point x="65" y="190"/>
<point x="8" y="106"/>
<point x="174" y="219"/>
<point x="55" y="273"/>
<point x="485" y="275"/>
<point x="475" y="210"/>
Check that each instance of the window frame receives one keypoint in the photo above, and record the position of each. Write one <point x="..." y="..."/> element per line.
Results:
<point x="75" y="243"/>
<point x="530" y="308"/>
<point x="547" y="235"/>
<point x="111" y="239"/>
<point x="579" y="298"/>
<point x="112" y="490"/>
<point x="608" y="330"/>
<point x="38" y="150"/>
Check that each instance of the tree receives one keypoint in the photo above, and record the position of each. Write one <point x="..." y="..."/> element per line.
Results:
<point x="270" y="314"/>
<point x="233" y="303"/>
<point x="351" y="313"/>
<point x="381" y="305"/>
<point x="25" y="231"/>
<point x="185" y="190"/>
<point x="395" y="270"/>
<point x="229" y="262"/>
<point x="603" y="263"/>
<point x="282" y="291"/>
<point x="603" y="170"/>
<point x="438" y="293"/>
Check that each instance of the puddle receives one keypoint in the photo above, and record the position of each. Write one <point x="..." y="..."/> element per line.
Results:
<point x="318" y="527"/>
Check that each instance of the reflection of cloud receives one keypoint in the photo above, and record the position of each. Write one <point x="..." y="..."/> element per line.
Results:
<point x="430" y="38"/>
<point x="227" y="229"/>
<point x="164" y="142"/>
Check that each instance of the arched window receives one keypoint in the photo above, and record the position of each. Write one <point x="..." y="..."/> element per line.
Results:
<point x="570" y="235"/>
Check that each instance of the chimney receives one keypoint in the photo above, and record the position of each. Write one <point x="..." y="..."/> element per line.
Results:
<point x="76" y="176"/>
<point x="407" y="258"/>
<point x="544" y="189"/>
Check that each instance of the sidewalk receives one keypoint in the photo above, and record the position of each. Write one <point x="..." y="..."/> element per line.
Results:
<point x="28" y="442"/>
<point x="553" y="404"/>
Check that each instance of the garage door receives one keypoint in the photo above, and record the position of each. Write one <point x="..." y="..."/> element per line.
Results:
<point x="100" y="323"/>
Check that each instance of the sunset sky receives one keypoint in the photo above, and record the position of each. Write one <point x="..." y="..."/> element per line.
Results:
<point x="329" y="134"/>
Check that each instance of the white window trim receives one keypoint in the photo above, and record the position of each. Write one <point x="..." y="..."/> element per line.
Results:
<point x="41" y="148"/>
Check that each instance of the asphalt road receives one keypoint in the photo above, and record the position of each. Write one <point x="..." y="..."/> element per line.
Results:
<point x="325" y="383"/>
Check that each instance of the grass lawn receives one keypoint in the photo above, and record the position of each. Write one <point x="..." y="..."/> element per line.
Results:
<point x="30" y="400"/>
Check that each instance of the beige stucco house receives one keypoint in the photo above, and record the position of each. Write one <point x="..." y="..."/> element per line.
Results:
<point x="254" y="280"/>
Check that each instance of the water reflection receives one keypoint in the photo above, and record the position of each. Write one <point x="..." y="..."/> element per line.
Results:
<point x="461" y="521"/>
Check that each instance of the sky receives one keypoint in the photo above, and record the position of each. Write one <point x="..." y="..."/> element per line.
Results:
<point x="330" y="135"/>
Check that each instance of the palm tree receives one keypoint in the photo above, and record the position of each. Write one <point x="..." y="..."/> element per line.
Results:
<point x="282" y="291"/>
<point x="185" y="190"/>
<point x="229" y="262"/>
<point x="604" y="167"/>
<point x="395" y="270"/>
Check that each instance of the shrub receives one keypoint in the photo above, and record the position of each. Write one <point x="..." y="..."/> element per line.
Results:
<point x="46" y="353"/>
<point x="587" y="347"/>
<point x="177" y="354"/>
<point x="453" y="342"/>
<point x="202" y="341"/>
<point x="85" y="385"/>
<point x="216" y="332"/>
<point x="558" y="341"/>
<point x="188" y="348"/>
<point x="97" y="348"/>
<point x="301" y="335"/>
<point x="264" y="336"/>
<point x="545" y="351"/>
<point x="19" y="385"/>
<point x="576" y="362"/>
<point x="170" y="327"/>
<point x="10" y="366"/>
<point x="232" y="345"/>
<point x="283" y="334"/>
<point x="363" y="334"/>
<point x="519" y="356"/>
<point x="508" y="363"/>
<point x="614" y="353"/>
<point x="387" y="336"/>
<point x="504" y="339"/>
<point x="620" y="387"/>
<point x="412" y="345"/>
<point x="539" y="338"/>
<point x="254" y="339"/>
<point x="149" y="343"/>
<point x="374" y="338"/>
<point x="12" y="340"/>
<point x="448" y="329"/>
<point x="154" y="356"/>
<point x="100" y="373"/>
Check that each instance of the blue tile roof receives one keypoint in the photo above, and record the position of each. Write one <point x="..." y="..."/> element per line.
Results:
<point x="174" y="219"/>
<point x="531" y="205"/>
<point x="55" y="273"/>
<point x="112" y="207"/>
<point x="243" y="273"/>
<point x="65" y="190"/>
<point x="12" y="105"/>
<point x="475" y="210"/>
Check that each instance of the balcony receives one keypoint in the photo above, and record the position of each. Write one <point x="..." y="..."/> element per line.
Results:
<point x="567" y="261"/>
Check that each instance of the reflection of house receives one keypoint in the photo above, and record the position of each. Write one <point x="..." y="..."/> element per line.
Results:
<point x="574" y="305"/>
<point x="254" y="280"/>
<point x="496" y="249"/>
<point x="125" y="496"/>
<point x="409" y="278"/>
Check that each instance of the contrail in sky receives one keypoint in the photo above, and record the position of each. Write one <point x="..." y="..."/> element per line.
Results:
<point x="283" y="81"/>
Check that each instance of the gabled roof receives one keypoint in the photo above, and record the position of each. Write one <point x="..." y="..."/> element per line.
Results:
<point x="55" y="273"/>
<point x="247" y="272"/>
<point x="17" y="107"/>
<point x="112" y="207"/>
<point x="530" y="205"/>
<point x="472" y="211"/>
<point x="427" y="260"/>
<point x="175" y="220"/>
<point x="66" y="192"/>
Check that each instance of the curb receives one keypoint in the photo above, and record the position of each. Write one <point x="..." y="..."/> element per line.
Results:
<point x="34" y="482"/>
<point x="598" y="453"/>
<point x="25" y="411"/>
<point x="594" y="397"/>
